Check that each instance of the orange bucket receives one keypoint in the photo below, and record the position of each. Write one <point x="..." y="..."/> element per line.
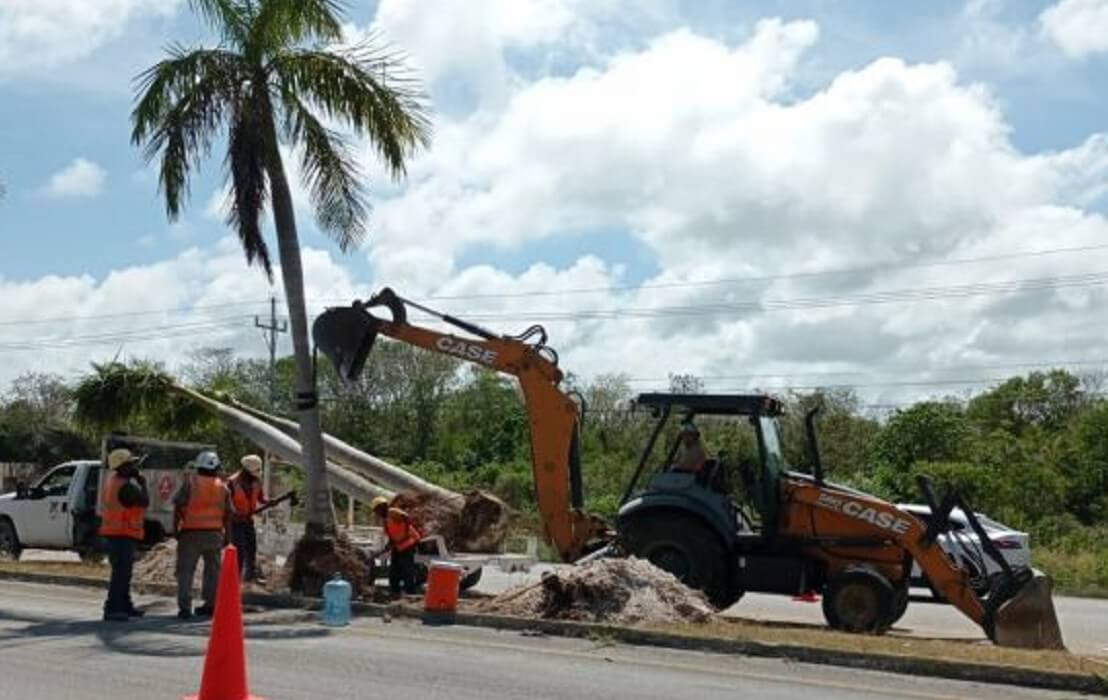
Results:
<point x="443" y="581"/>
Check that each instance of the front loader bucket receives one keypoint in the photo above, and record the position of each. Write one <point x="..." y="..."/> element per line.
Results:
<point x="1027" y="619"/>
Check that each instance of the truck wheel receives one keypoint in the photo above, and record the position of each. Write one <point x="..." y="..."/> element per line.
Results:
<point x="10" y="549"/>
<point x="682" y="545"/>
<point x="470" y="580"/>
<point x="859" y="600"/>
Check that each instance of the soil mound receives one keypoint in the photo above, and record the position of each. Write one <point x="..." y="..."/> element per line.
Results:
<point x="313" y="562"/>
<point x="624" y="591"/>
<point x="159" y="565"/>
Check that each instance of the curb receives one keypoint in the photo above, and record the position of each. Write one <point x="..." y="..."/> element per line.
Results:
<point x="907" y="665"/>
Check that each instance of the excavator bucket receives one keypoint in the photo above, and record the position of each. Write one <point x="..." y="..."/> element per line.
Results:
<point x="345" y="336"/>
<point x="1027" y="619"/>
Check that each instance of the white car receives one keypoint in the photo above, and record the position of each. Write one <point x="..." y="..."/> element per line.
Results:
<point x="964" y="546"/>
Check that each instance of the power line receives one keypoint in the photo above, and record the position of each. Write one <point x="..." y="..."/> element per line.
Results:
<point x="907" y="295"/>
<point x="590" y="290"/>
<point x="129" y="314"/>
<point x="854" y="373"/>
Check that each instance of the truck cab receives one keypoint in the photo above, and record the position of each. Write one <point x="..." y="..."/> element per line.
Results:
<point x="59" y="511"/>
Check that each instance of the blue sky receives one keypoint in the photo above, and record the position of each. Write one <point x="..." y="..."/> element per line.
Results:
<point x="492" y="205"/>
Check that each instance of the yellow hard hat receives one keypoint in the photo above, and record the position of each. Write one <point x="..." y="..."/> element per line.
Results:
<point x="378" y="502"/>
<point x="119" y="457"/>
<point x="252" y="464"/>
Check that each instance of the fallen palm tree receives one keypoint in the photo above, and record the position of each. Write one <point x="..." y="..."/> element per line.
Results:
<point x="472" y="522"/>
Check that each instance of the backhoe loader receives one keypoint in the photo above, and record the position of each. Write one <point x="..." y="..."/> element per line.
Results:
<point x="791" y="533"/>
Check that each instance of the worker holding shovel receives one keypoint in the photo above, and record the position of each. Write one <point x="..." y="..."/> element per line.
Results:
<point x="246" y="496"/>
<point x="403" y="536"/>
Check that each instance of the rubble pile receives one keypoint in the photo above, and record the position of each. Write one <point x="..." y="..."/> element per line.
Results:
<point x="623" y="591"/>
<point x="159" y="565"/>
<point x="475" y="521"/>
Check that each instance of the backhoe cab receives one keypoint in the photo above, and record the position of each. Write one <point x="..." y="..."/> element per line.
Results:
<point x="794" y="533"/>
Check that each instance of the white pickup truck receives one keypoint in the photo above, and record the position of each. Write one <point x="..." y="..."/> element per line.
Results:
<point x="59" y="511"/>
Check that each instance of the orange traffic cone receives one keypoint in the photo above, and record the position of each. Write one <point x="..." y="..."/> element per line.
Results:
<point x="225" y="662"/>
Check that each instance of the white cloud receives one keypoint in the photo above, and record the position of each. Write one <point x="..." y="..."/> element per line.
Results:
<point x="36" y="35"/>
<point x="700" y="151"/>
<point x="164" y="310"/>
<point x="81" y="178"/>
<point x="1078" y="27"/>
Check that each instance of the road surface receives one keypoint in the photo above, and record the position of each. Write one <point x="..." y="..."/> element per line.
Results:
<point x="1084" y="621"/>
<point x="54" y="646"/>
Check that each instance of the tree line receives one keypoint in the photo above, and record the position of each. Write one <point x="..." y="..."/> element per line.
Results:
<point x="1031" y="451"/>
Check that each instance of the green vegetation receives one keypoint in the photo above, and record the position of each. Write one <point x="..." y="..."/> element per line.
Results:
<point x="1031" y="452"/>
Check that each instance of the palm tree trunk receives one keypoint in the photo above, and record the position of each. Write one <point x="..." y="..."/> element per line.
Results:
<point x="317" y="509"/>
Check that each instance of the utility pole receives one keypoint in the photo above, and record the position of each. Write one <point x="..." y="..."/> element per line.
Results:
<point x="270" y="330"/>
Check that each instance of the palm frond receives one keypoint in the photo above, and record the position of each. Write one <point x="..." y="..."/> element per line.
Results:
<point x="247" y="149"/>
<point x="183" y="101"/>
<point x="283" y="23"/>
<point x="365" y="88"/>
<point x="231" y="19"/>
<point x="330" y="169"/>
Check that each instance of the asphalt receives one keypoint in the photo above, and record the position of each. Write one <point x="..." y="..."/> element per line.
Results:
<point x="1084" y="621"/>
<point x="54" y="646"/>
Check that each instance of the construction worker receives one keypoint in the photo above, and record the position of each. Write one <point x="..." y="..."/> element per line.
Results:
<point x="123" y="503"/>
<point x="246" y="495"/>
<point x="693" y="455"/>
<point x="403" y="536"/>
<point x="203" y="511"/>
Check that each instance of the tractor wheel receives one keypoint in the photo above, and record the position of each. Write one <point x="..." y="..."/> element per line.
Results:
<point x="685" y="547"/>
<point x="470" y="580"/>
<point x="859" y="600"/>
<point x="10" y="549"/>
<point x="900" y="604"/>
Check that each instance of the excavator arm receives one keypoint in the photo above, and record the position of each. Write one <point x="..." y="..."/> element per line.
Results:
<point x="346" y="336"/>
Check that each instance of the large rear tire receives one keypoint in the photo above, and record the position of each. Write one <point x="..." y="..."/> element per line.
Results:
<point x="685" y="547"/>
<point x="10" y="549"/>
<point x="859" y="600"/>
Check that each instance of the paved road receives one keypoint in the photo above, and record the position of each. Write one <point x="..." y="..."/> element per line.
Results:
<point x="1084" y="620"/>
<point x="54" y="647"/>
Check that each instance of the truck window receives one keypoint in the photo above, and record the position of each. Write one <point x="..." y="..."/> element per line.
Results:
<point x="56" y="483"/>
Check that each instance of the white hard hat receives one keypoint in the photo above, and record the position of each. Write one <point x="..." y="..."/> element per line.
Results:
<point x="208" y="461"/>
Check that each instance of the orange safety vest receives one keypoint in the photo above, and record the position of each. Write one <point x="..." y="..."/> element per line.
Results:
<point x="207" y="504"/>
<point x="245" y="502"/>
<point x="401" y="532"/>
<point x="115" y="519"/>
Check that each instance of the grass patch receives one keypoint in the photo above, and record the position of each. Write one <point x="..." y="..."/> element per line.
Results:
<point x="98" y="572"/>
<point x="1077" y="570"/>
<point x="889" y="645"/>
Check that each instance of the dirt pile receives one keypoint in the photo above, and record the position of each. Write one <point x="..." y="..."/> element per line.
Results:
<point x="624" y="591"/>
<point x="473" y="522"/>
<point x="313" y="563"/>
<point x="159" y="566"/>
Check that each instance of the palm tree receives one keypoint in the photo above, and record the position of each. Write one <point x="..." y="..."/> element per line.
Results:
<point x="277" y="79"/>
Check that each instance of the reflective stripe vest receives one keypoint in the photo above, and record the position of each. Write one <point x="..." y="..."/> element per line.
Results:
<point x="245" y="503"/>
<point x="401" y="532"/>
<point x="115" y="519"/>
<point x="207" y="504"/>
